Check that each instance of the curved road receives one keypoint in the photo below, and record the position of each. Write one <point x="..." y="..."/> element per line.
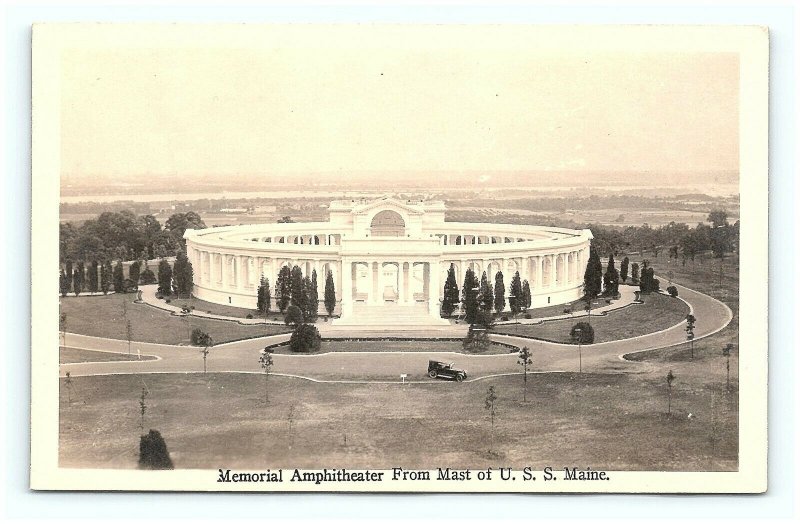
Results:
<point x="242" y="356"/>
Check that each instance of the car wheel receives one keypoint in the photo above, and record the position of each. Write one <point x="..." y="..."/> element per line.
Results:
<point x="459" y="378"/>
<point x="432" y="374"/>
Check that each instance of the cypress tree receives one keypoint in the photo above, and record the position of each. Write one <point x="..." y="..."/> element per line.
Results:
<point x="486" y="294"/>
<point x="183" y="274"/>
<point x="296" y="289"/>
<point x="133" y="272"/>
<point x="450" y="300"/>
<point x="623" y="269"/>
<point x="469" y="296"/>
<point x="330" y="293"/>
<point x="63" y="283"/>
<point x="283" y="289"/>
<point x="94" y="284"/>
<point x="78" y="279"/>
<point x="592" y="278"/>
<point x="312" y="297"/>
<point x="105" y="277"/>
<point x="70" y="273"/>
<point x="610" y="278"/>
<point x="635" y="273"/>
<point x="516" y="299"/>
<point x="119" y="277"/>
<point x="499" y="293"/>
<point x="526" y="294"/>
<point x="263" y="300"/>
<point x="153" y="452"/>
<point x="164" y="277"/>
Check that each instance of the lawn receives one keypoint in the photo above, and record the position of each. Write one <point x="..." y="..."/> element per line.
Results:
<point x="231" y="311"/>
<point x="658" y="312"/>
<point x="73" y="356"/>
<point x="397" y="345"/>
<point x="102" y="316"/>
<point x="614" y="422"/>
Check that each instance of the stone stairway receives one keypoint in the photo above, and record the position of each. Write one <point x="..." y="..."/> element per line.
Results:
<point x="389" y="315"/>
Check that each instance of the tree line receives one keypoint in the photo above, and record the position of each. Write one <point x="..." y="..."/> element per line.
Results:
<point x="483" y="296"/>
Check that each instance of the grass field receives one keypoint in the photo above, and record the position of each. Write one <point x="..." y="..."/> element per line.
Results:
<point x="73" y="355"/>
<point x="102" y="316"/>
<point x="397" y="345"/>
<point x="602" y="421"/>
<point x="658" y="312"/>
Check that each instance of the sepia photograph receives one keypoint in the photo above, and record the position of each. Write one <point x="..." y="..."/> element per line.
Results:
<point x="399" y="258"/>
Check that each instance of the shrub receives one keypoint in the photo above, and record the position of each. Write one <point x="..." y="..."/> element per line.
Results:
<point x="159" y="296"/>
<point x="484" y="318"/>
<point x="185" y="309"/>
<point x="586" y="335"/>
<point x="147" y="277"/>
<point x="249" y="316"/>
<point x="673" y="291"/>
<point x="200" y="338"/>
<point x="294" y="316"/>
<point x="168" y="301"/>
<point x="504" y="318"/>
<point x="305" y="339"/>
<point x="527" y="315"/>
<point x="153" y="452"/>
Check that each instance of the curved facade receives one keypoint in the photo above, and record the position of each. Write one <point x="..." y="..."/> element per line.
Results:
<point x="389" y="259"/>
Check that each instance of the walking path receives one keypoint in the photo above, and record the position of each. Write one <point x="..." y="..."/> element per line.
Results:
<point x="242" y="356"/>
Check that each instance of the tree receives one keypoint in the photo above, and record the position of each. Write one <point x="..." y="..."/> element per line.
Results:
<point x="62" y="326"/>
<point x="63" y="283"/>
<point x="330" y="293"/>
<point x="285" y="220"/>
<point x="489" y="405"/>
<point x="142" y="407"/>
<point x="648" y="283"/>
<point x="499" y="293"/>
<point x="164" y="277"/>
<point x="690" y="320"/>
<point x="134" y="272"/>
<point x="296" y="283"/>
<point x="469" y="296"/>
<point x="119" y="277"/>
<point x="266" y="364"/>
<point x="77" y="279"/>
<point x="584" y="336"/>
<point x="263" y="296"/>
<point x="105" y="277"/>
<point x="592" y="277"/>
<point x="673" y="291"/>
<point x="670" y="379"/>
<point x="294" y="316"/>
<point x="726" y="352"/>
<point x="305" y="339"/>
<point x="68" y="387"/>
<point x="610" y="278"/>
<point x="153" y="452"/>
<point x="312" y="300"/>
<point x="283" y="288"/>
<point x="183" y="274"/>
<point x="93" y="274"/>
<point x="70" y="275"/>
<point x="147" y="276"/>
<point x="526" y="294"/>
<point x="485" y="294"/>
<point x="524" y="360"/>
<point x="128" y="334"/>
<point x="718" y="218"/>
<point x="635" y="273"/>
<point x="477" y="339"/>
<point x="178" y="223"/>
<point x="450" y="294"/>
<point x="515" y="299"/>
<point x="623" y="269"/>
<point x="200" y="338"/>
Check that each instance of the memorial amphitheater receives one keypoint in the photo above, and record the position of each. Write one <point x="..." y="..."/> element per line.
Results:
<point x="389" y="259"/>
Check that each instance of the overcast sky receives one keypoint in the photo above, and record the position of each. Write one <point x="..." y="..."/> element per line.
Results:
<point x="379" y="104"/>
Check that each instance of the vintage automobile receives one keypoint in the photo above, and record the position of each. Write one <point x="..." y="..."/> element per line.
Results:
<point x="444" y="370"/>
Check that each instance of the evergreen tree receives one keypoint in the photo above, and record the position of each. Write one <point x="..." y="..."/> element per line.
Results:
<point x="263" y="300"/>
<point x="516" y="299"/>
<point x="635" y="273"/>
<point x="153" y="452"/>
<point x="311" y="300"/>
<point x="486" y="294"/>
<point x="305" y="339"/>
<point x="592" y="278"/>
<point x="330" y="293"/>
<point x="78" y="279"/>
<point x="499" y="293"/>
<point x="183" y="274"/>
<point x="105" y="277"/>
<point x="610" y="278"/>
<point x="526" y="294"/>
<point x="70" y="272"/>
<point x="296" y="282"/>
<point x="147" y="276"/>
<point x="283" y="288"/>
<point x="450" y="294"/>
<point x="469" y="296"/>
<point x="133" y="272"/>
<point x="119" y="277"/>
<point x="164" y="277"/>
<point x="623" y="268"/>
<point x="93" y="283"/>
<point x="63" y="283"/>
